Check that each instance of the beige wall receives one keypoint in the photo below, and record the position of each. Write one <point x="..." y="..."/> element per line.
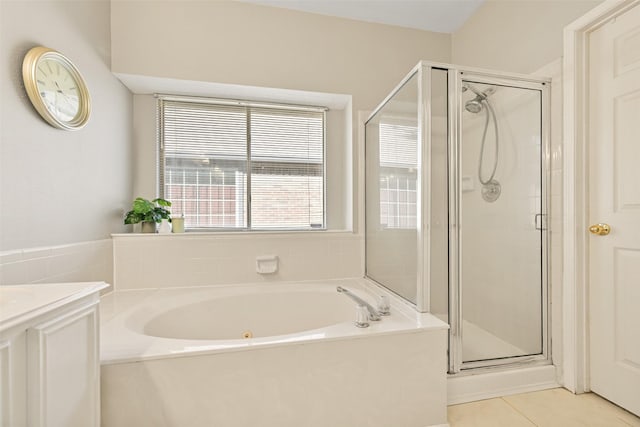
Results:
<point x="516" y="35"/>
<point x="59" y="187"/>
<point x="246" y="44"/>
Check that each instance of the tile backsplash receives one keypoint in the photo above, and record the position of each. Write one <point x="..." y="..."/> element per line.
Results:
<point x="75" y="262"/>
<point x="133" y="261"/>
<point x="201" y="259"/>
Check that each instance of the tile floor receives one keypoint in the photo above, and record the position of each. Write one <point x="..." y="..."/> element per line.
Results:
<point x="548" y="408"/>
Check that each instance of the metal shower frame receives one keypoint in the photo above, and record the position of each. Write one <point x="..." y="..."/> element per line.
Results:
<point x="455" y="77"/>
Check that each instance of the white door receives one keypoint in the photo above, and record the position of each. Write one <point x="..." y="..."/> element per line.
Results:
<point x="614" y="192"/>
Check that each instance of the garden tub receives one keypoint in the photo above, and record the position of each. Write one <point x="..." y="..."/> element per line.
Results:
<point x="269" y="355"/>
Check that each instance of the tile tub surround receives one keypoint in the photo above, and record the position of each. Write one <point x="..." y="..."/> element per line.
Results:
<point x="377" y="382"/>
<point x="393" y="373"/>
<point x="203" y="259"/>
<point x="75" y="262"/>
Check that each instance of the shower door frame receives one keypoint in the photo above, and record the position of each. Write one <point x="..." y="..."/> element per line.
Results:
<point x="456" y="76"/>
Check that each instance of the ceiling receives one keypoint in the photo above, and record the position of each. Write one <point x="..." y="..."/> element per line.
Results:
<point x="444" y="16"/>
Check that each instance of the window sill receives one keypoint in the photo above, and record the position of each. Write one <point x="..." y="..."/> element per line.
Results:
<point x="239" y="234"/>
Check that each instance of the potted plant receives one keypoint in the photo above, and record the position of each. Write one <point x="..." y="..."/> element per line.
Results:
<point x="148" y="212"/>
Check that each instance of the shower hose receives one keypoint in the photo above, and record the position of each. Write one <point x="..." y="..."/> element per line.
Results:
<point x="488" y="110"/>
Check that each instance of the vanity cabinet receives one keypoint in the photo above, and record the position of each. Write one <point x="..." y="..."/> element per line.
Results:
<point x="49" y="355"/>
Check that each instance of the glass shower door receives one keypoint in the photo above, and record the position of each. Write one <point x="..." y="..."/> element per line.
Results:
<point x="502" y="222"/>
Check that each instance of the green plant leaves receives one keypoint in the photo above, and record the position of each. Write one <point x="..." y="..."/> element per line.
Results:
<point x="145" y="210"/>
<point x="132" y="218"/>
<point x="142" y="206"/>
<point x="162" y="202"/>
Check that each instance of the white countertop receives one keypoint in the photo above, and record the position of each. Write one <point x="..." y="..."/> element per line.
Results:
<point x="19" y="303"/>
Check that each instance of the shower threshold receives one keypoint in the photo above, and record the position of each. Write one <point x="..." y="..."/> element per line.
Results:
<point x="479" y="344"/>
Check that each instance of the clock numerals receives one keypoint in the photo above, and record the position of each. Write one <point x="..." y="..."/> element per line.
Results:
<point x="56" y="88"/>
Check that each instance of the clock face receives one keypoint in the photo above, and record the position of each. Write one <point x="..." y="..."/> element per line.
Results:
<point x="58" y="89"/>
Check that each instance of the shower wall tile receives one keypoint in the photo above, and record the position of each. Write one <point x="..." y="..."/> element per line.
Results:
<point x="76" y="262"/>
<point x="201" y="259"/>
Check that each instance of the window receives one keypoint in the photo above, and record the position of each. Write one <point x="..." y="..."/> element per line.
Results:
<point x="398" y="177"/>
<point x="236" y="165"/>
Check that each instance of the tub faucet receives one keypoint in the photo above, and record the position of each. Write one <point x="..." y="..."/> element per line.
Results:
<point x="373" y="313"/>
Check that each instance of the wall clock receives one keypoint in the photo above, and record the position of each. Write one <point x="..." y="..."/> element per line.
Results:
<point x="56" y="88"/>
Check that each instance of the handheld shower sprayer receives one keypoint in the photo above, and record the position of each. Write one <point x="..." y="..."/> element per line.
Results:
<point x="475" y="105"/>
<point x="491" y="188"/>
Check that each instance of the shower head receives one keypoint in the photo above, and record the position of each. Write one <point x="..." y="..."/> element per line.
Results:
<point x="475" y="105"/>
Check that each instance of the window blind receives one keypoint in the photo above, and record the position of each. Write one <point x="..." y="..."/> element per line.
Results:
<point x="398" y="145"/>
<point x="242" y="166"/>
<point x="204" y="131"/>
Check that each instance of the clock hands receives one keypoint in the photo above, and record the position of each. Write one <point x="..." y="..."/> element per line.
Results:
<point x="62" y="93"/>
<point x="55" y="88"/>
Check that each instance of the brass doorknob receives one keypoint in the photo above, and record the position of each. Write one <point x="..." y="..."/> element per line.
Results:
<point x="600" y="229"/>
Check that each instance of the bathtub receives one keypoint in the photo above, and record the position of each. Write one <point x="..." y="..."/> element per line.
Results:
<point x="268" y="355"/>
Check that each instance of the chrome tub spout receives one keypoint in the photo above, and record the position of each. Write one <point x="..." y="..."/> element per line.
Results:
<point x="373" y="313"/>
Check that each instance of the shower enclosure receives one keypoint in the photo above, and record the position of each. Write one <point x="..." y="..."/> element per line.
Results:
<point x="456" y="188"/>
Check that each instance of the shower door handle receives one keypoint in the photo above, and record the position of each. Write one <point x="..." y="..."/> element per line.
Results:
<point x="540" y="221"/>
